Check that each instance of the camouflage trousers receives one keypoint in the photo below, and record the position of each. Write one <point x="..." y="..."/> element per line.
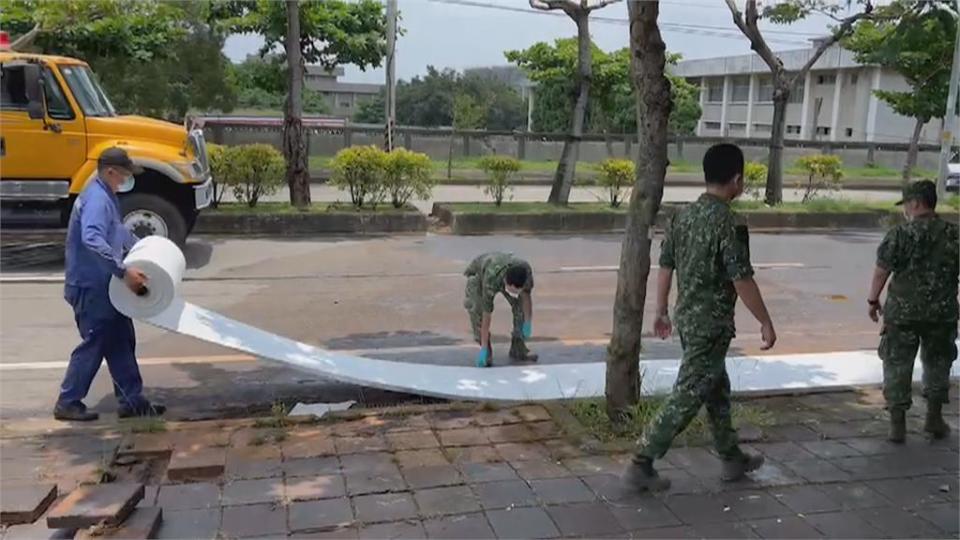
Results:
<point x="898" y="350"/>
<point x="702" y="380"/>
<point x="473" y="302"/>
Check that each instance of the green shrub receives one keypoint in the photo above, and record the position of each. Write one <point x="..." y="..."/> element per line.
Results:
<point x="823" y="174"/>
<point x="754" y="179"/>
<point x="615" y="176"/>
<point x="500" y="171"/>
<point x="408" y="174"/>
<point x="220" y="169"/>
<point x="361" y="171"/>
<point x="251" y="171"/>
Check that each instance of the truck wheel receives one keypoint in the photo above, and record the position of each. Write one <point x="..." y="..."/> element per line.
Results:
<point x="151" y="215"/>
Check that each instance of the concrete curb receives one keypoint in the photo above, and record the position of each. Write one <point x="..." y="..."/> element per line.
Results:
<point x="599" y="222"/>
<point x="222" y="223"/>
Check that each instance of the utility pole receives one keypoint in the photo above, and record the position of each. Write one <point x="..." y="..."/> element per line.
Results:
<point x="391" y="101"/>
<point x="950" y="126"/>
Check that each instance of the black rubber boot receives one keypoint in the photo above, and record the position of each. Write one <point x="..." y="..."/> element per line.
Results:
<point x="898" y="426"/>
<point x="519" y="351"/>
<point x="934" y="426"/>
<point x="641" y="476"/>
<point x="735" y="469"/>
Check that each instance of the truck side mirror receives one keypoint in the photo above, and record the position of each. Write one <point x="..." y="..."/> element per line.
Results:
<point x="33" y="91"/>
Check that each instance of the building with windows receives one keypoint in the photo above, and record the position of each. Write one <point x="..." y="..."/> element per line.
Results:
<point x="834" y="102"/>
<point x="342" y="98"/>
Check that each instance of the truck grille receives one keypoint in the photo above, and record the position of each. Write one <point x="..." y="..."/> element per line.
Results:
<point x="199" y="146"/>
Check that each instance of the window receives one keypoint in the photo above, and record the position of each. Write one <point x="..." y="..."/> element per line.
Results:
<point x="764" y="128"/>
<point x="87" y="91"/>
<point x="736" y="127"/>
<point x="57" y="105"/>
<point x="826" y="79"/>
<point x="715" y="90"/>
<point x="741" y="90"/>
<point x="849" y="132"/>
<point x="711" y="125"/>
<point x="823" y="130"/>
<point x="796" y="93"/>
<point x="14" y="92"/>
<point x="764" y="89"/>
<point x="793" y="129"/>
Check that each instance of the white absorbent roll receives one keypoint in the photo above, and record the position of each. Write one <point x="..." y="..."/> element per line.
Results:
<point x="162" y="306"/>
<point x="163" y="263"/>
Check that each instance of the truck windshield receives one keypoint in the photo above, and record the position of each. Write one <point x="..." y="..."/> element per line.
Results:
<point x="87" y="90"/>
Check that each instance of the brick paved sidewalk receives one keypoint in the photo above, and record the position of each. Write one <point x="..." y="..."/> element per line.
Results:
<point x="463" y="471"/>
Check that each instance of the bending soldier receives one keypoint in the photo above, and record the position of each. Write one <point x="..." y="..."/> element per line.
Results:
<point x="493" y="273"/>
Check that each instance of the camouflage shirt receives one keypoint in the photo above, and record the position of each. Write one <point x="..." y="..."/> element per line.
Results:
<point x="924" y="257"/>
<point x="492" y="268"/>
<point x="709" y="252"/>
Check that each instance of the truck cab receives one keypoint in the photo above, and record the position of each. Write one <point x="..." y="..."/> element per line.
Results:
<point x="56" y="119"/>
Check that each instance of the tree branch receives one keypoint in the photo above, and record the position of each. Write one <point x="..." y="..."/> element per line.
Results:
<point x="26" y="39"/>
<point x="845" y="27"/>
<point x="750" y="29"/>
<point x="601" y="4"/>
<point x="549" y="5"/>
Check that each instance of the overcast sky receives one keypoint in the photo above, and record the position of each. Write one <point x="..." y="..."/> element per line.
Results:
<point x="445" y="34"/>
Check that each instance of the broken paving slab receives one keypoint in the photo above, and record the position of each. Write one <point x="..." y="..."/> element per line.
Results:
<point x="143" y="523"/>
<point x="200" y="464"/>
<point x="90" y="505"/>
<point x="24" y="504"/>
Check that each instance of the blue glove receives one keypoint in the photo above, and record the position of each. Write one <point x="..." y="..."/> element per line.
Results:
<point x="527" y="329"/>
<point x="483" y="357"/>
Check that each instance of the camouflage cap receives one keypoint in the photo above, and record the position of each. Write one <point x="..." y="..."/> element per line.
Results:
<point x="923" y="190"/>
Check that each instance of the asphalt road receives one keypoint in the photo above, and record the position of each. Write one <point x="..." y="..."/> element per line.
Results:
<point x="400" y="298"/>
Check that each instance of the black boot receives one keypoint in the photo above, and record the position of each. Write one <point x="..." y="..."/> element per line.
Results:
<point x="736" y="469"/>
<point x="519" y="351"/>
<point x="934" y="425"/>
<point x="641" y="476"/>
<point x="898" y="426"/>
<point x="76" y="412"/>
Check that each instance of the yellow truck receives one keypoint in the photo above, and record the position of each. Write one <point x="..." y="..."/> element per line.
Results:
<point x="55" y="119"/>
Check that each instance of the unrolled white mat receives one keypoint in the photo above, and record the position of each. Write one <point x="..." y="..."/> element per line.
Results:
<point x="164" y="264"/>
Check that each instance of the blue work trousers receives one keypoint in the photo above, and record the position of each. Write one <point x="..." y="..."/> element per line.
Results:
<point x="106" y="333"/>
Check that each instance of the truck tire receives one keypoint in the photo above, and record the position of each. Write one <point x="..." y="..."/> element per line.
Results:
<point x="152" y="215"/>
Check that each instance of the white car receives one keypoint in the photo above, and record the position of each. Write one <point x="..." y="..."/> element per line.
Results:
<point x="953" y="174"/>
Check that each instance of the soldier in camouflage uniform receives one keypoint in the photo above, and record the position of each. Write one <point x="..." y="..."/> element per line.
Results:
<point x="921" y="310"/>
<point x="710" y="255"/>
<point x="488" y="275"/>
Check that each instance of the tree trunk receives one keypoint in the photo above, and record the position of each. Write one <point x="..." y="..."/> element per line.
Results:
<point x="450" y="156"/>
<point x="294" y="141"/>
<point x="774" y="191"/>
<point x="913" y="150"/>
<point x="652" y="91"/>
<point x="567" y="166"/>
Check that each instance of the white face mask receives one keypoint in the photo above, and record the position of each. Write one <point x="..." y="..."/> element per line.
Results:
<point x="513" y="293"/>
<point x="127" y="184"/>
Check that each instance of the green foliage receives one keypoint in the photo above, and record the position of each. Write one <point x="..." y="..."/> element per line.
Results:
<point x="612" y="103"/>
<point x="261" y="83"/>
<point x="332" y="32"/>
<point x="500" y="171"/>
<point x="132" y="44"/>
<point x="361" y="171"/>
<point x="252" y="171"/>
<point x="615" y="175"/>
<point x="221" y="169"/>
<point x="372" y="111"/>
<point x="407" y="174"/>
<point x="467" y="112"/>
<point x="754" y="179"/>
<point x="824" y="173"/>
<point x="916" y="38"/>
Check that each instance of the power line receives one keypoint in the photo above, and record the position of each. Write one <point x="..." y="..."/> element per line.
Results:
<point x="703" y="30"/>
